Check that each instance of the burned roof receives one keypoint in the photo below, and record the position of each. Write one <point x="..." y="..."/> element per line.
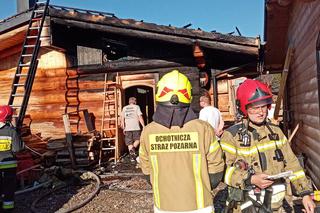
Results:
<point x="109" y="19"/>
<point x="68" y="24"/>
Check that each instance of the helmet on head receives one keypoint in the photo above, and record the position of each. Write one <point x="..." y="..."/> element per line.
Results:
<point x="6" y="113"/>
<point x="252" y="92"/>
<point x="174" y="89"/>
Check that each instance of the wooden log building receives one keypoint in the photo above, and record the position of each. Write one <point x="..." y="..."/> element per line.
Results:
<point x="295" y="24"/>
<point x="88" y="44"/>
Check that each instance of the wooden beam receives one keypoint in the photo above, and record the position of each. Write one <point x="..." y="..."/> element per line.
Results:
<point x="11" y="51"/>
<point x="67" y="129"/>
<point x="283" y="82"/>
<point x="209" y="44"/>
<point x="131" y="65"/>
<point x="215" y="88"/>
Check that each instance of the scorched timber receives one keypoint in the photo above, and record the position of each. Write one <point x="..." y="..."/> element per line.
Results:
<point x="234" y="48"/>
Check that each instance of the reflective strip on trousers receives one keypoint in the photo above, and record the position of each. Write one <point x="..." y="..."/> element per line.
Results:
<point x="198" y="180"/>
<point x="214" y="146"/>
<point x="8" y="204"/>
<point x="228" y="175"/>
<point x="155" y="184"/>
<point x="246" y="205"/>
<point x="8" y="164"/>
<point x="297" y="175"/>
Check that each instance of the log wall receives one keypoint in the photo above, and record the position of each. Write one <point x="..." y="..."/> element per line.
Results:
<point x="303" y="85"/>
<point x="47" y="102"/>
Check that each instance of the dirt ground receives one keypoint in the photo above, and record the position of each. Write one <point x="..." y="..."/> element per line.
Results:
<point x="123" y="194"/>
<point x="123" y="189"/>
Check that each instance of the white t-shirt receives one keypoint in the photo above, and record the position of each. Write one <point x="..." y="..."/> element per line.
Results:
<point x="131" y="115"/>
<point x="211" y="115"/>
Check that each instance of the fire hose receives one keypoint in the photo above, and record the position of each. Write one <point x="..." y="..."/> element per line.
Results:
<point x="79" y="205"/>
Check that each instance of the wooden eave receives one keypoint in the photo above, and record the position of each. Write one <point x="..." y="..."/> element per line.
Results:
<point x="275" y="34"/>
<point x="14" y="21"/>
<point x="150" y="27"/>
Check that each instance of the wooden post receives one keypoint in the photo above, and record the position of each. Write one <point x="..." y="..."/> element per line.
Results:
<point x="283" y="82"/>
<point x="215" y="88"/>
<point x="88" y="121"/>
<point x="293" y="133"/>
<point x="67" y="129"/>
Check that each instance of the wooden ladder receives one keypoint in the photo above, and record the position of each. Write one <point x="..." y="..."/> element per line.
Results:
<point x="109" y="122"/>
<point x="25" y="72"/>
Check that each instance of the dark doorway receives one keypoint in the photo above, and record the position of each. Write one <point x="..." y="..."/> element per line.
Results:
<point x="145" y="100"/>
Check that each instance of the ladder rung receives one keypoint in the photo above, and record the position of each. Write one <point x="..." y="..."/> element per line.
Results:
<point x="16" y="107"/>
<point x="110" y="83"/>
<point x="18" y="85"/>
<point x="108" y="139"/>
<point x="110" y="100"/>
<point x="41" y="2"/>
<point x="24" y="65"/>
<point x="32" y="37"/>
<point x="109" y="110"/>
<point x="110" y="92"/>
<point x="34" y="28"/>
<point x="29" y="45"/>
<point x="15" y="116"/>
<point x="18" y="95"/>
<point x="73" y="113"/>
<point x="72" y="116"/>
<point x="21" y="75"/>
<point x="109" y="119"/>
<point x="71" y="96"/>
<point x="38" y="11"/>
<point x="109" y="129"/>
<point x="110" y="148"/>
<point x="74" y="122"/>
<point x="36" y="19"/>
<point x="26" y="55"/>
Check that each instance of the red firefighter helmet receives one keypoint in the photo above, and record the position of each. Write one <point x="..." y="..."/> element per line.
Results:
<point x="6" y="113"/>
<point x="252" y="92"/>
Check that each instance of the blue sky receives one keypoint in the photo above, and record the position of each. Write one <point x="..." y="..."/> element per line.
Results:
<point x="220" y="15"/>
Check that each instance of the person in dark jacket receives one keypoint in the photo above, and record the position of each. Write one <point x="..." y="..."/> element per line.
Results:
<point x="10" y="144"/>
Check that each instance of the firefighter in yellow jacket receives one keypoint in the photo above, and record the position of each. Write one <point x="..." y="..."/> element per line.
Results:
<point x="256" y="150"/>
<point x="178" y="152"/>
<point x="10" y="144"/>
